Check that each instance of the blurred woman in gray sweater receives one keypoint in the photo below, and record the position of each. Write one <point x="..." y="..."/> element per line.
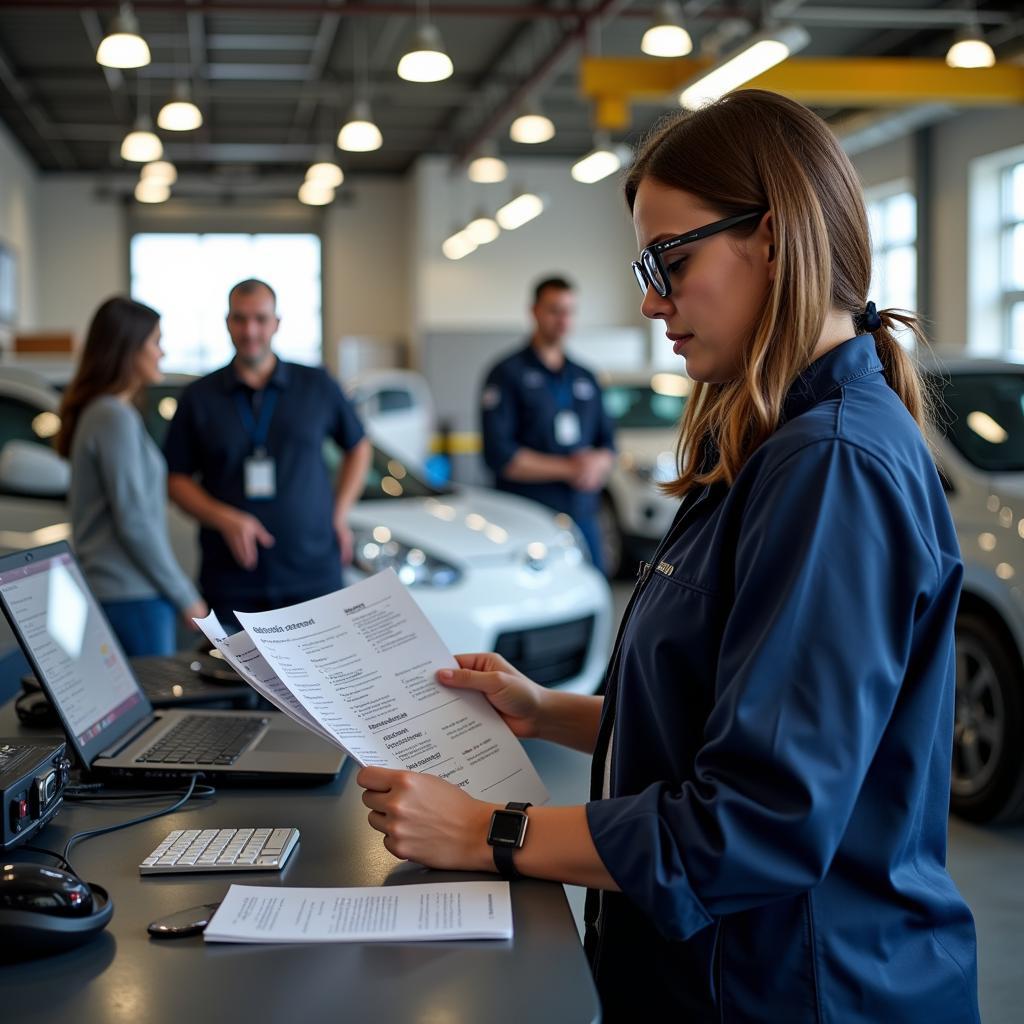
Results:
<point x="118" y="493"/>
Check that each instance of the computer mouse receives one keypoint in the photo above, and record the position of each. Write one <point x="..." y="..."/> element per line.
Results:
<point x="43" y="889"/>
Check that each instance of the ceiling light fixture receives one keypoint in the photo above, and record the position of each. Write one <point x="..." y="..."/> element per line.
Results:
<point x="969" y="49"/>
<point x="122" y="46"/>
<point x="149" y="191"/>
<point x="315" y="193"/>
<point x="519" y="211"/>
<point x="458" y="245"/>
<point x="360" y="134"/>
<point x="761" y="51"/>
<point x="142" y="145"/>
<point x="326" y="174"/>
<point x="531" y="127"/>
<point x="602" y="160"/>
<point x="180" y="114"/>
<point x="482" y="229"/>
<point x="161" y="172"/>
<point x="487" y="168"/>
<point x="666" y="36"/>
<point x="426" y="60"/>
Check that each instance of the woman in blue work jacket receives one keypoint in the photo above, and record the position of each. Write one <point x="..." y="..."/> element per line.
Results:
<point x="766" y="838"/>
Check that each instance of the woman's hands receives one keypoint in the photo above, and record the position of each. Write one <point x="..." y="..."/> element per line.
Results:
<point x="197" y="610"/>
<point x="428" y="820"/>
<point x="518" y="700"/>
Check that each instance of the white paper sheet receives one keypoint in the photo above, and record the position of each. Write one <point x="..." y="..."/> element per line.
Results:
<point x="358" y="667"/>
<point x="392" y="913"/>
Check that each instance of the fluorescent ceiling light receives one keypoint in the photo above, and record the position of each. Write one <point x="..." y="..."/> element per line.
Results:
<point x="148" y="191"/>
<point x="141" y="145"/>
<point x="487" y="168"/>
<point x="482" y="229"/>
<point x="159" y="171"/>
<point x="458" y="245"/>
<point x="180" y="114"/>
<point x="360" y="134"/>
<point x="516" y="213"/>
<point x="122" y="46"/>
<point x="313" y="193"/>
<point x="602" y="160"/>
<point x="969" y="50"/>
<point x="425" y="60"/>
<point x="325" y="174"/>
<point x="759" y="53"/>
<point x="531" y="127"/>
<point x="666" y="37"/>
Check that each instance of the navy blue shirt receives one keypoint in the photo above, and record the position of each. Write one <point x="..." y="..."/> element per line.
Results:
<point x="780" y="718"/>
<point x="519" y="403"/>
<point x="209" y="440"/>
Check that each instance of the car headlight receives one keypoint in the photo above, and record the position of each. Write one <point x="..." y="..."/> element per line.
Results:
<point x="570" y="540"/>
<point x="662" y="471"/>
<point x="376" y="550"/>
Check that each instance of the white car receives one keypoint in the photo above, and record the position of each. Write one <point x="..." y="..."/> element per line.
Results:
<point x="397" y="410"/>
<point x="491" y="571"/>
<point x="634" y="514"/>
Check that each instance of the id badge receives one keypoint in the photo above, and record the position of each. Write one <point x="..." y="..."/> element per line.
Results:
<point x="260" y="477"/>
<point x="567" y="427"/>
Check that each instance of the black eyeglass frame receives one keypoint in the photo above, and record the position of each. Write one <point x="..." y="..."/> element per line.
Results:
<point x="650" y="268"/>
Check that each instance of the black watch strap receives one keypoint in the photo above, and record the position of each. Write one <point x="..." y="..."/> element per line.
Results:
<point x="503" y="855"/>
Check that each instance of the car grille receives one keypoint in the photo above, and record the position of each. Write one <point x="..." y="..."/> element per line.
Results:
<point x="548" y="654"/>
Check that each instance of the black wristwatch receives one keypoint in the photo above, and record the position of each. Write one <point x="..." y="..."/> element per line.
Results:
<point x="506" y="835"/>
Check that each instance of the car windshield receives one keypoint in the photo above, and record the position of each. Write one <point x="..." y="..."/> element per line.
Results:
<point x="640" y="407"/>
<point x="984" y="418"/>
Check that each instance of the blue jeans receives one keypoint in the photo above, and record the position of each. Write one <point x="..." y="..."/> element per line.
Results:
<point x="144" y="626"/>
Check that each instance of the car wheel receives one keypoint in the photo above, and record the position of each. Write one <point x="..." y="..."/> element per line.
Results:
<point x="612" y="546"/>
<point x="988" y="731"/>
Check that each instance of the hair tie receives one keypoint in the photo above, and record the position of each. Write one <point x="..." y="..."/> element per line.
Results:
<point x="870" y="320"/>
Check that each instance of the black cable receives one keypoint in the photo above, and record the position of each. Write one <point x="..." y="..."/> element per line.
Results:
<point x="201" y="791"/>
<point x="88" y="833"/>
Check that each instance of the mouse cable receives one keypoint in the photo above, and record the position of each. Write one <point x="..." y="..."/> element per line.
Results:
<point x="88" y="833"/>
<point x="81" y="794"/>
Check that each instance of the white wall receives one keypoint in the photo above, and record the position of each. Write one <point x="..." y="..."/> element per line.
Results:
<point x="81" y="255"/>
<point x="585" y="233"/>
<point x="18" y="189"/>
<point x="891" y="162"/>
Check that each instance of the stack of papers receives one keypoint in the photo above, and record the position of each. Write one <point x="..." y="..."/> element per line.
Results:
<point x="357" y="667"/>
<point x="395" y="913"/>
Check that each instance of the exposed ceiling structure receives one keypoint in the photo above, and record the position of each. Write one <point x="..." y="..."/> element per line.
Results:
<point x="275" y="80"/>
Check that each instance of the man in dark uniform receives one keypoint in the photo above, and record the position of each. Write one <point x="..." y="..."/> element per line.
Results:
<point x="245" y="458"/>
<point x="546" y="434"/>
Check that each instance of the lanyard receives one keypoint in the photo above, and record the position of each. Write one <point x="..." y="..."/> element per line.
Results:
<point x="258" y="432"/>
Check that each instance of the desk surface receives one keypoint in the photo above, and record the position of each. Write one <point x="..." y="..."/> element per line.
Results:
<point x="124" y="976"/>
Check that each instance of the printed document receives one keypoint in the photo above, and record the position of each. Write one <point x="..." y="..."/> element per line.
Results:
<point x="357" y="667"/>
<point x="391" y="913"/>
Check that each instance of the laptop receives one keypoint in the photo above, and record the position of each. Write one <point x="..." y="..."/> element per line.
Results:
<point x="110" y="723"/>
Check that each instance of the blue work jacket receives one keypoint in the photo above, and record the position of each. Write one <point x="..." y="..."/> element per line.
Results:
<point x="779" y="722"/>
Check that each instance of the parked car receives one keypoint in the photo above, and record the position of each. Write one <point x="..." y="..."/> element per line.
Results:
<point x="491" y="571"/>
<point x="397" y="410"/>
<point x="634" y="514"/>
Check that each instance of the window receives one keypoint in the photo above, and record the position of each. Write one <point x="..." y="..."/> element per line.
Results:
<point x="892" y="214"/>
<point x="1012" y="258"/>
<point x="186" y="278"/>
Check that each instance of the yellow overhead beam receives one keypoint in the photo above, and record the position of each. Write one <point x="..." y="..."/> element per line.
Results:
<point x="613" y="82"/>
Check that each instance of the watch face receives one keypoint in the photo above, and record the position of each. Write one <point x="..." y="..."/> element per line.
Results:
<point x="506" y="828"/>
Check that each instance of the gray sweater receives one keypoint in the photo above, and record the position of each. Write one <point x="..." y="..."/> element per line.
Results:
<point x="118" y="502"/>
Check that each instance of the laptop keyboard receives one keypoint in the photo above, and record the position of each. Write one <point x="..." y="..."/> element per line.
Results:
<point x="203" y="739"/>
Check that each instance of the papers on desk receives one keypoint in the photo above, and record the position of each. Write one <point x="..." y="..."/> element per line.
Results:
<point x="394" y="913"/>
<point x="357" y="667"/>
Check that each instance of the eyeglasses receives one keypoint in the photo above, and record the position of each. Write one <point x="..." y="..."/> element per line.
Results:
<point x="650" y="269"/>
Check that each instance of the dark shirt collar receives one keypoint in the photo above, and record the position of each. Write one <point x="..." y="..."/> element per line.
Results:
<point x="230" y="380"/>
<point x="843" y="364"/>
<point x="529" y="354"/>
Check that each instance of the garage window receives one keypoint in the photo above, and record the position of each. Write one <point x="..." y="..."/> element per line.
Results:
<point x="1012" y="257"/>
<point x="186" y="278"/>
<point x="892" y="214"/>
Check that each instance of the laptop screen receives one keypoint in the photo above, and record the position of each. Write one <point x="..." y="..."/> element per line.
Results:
<point x="71" y="647"/>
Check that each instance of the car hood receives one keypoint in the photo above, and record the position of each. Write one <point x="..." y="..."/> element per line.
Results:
<point x="645" y="445"/>
<point x="467" y="525"/>
<point x="1006" y="485"/>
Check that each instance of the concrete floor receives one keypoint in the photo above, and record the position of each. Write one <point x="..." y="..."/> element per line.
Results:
<point x="986" y="863"/>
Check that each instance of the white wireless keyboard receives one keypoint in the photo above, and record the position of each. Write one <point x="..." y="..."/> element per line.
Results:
<point x="225" y="849"/>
